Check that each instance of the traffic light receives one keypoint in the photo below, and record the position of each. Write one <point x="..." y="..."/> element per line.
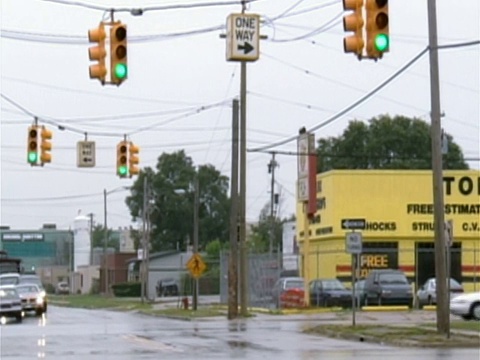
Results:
<point x="122" y="168"/>
<point x="32" y="145"/>
<point x="118" y="52"/>
<point x="378" y="38"/>
<point x="45" y="146"/>
<point x="98" y="53"/>
<point x="353" y="22"/>
<point x="133" y="159"/>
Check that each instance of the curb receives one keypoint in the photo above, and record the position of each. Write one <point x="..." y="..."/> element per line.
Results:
<point x="385" y="308"/>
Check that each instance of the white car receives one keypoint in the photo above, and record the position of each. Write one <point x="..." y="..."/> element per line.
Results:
<point x="467" y="306"/>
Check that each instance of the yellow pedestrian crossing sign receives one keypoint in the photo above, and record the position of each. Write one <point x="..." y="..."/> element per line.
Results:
<point x="196" y="265"/>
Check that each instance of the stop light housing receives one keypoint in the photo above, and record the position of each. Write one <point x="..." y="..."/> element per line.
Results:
<point x="118" y="53"/>
<point x="133" y="159"/>
<point x="122" y="158"/>
<point x="32" y="145"/>
<point x="98" y="53"/>
<point x="353" y="22"/>
<point x="46" y="146"/>
<point x="378" y="37"/>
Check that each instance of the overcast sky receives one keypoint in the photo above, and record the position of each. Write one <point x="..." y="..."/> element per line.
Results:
<point x="178" y="74"/>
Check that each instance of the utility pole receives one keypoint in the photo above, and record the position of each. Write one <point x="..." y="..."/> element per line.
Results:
<point x="105" y="239"/>
<point x="443" y="315"/>
<point x="144" y="242"/>
<point x="233" y="258"/>
<point x="196" y="197"/>
<point x="271" y="170"/>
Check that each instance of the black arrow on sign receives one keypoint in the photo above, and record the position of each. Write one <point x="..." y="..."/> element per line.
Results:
<point x="246" y="48"/>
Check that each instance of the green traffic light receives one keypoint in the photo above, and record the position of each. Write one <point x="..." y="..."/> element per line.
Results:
<point x="122" y="170"/>
<point x="32" y="157"/>
<point x="381" y="42"/>
<point x="121" y="71"/>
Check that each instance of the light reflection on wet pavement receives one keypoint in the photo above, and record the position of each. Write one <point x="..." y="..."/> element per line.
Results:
<point x="95" y="334"/>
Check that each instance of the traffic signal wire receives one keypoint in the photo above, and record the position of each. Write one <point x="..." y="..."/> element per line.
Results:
<point x="140" y="11"/>
<point x="365" y="97"/>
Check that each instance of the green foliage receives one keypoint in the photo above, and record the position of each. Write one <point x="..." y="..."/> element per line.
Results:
<point x="98" y="238"/>
<point x="259" y="240"/>
<point x="129" y="289"/>
<point x="171" y="207"/>
<point x="385" y="143"/>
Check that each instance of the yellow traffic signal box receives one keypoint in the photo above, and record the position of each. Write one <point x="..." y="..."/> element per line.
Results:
<point x="46" y="146"/>
<point x="133" y="159"/>
<point x="378" y="36"/>
<point x="98" y="53"/>
<point x="118" y="53"/>
<point x="353" y="22"/>
<point x="122" y="158"/>
<point x="32" y="145"/>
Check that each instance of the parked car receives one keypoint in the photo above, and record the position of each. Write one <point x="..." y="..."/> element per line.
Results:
<point x="284" y="285"/>
<point x="62" y="288"/>
<point x="329" y="292"/>
<point x="360" y="292"/>
<point x="32" y="297"/>
<point x="387" y="287"/>
<point x="10" y="303"/>
<point x="466" y="305"/>
<point x="427" y="294"/>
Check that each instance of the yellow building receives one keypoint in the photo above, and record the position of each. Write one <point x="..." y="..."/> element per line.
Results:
<point x="395" y="207"/>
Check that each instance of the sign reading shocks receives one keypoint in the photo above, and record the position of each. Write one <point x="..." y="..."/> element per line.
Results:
<point x="243" y="37"/>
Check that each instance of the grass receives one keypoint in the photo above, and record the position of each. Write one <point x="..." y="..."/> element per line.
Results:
<point x="396" y="335"/>
<point x="98" y="302"/>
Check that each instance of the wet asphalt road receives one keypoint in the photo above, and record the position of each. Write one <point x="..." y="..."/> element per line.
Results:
<point x="66" y="334"/>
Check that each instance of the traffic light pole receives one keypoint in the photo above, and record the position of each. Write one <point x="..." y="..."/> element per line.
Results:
<point x="443" y="316"/>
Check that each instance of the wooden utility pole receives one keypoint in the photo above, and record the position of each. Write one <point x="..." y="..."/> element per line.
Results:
<point x="443" y="315"/>
<point x="233" y="257"/>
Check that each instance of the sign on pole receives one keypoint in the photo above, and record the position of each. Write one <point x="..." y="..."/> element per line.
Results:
<point x="86" y="154"/>
<point x="196" y="265"/>
<point x="243" y="37"/>
<point x="353" y="224"/>
<point x="353" y="243"/>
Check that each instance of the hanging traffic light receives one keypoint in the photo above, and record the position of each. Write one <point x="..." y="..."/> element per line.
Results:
<point x="118" y="53"/>
<point x="98" y="53"/>
<point x="32" y="145"/>
<point x="133" y="159"/>
<point x="122" y="167"/>
<point x="353" y="22"/>
<point x="378" y="37"/>
<point x="45" y="146"/>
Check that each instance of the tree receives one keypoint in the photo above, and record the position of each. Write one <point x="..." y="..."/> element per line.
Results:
<point x="172" y="198"/>
<point x="385" y="143"/>
<point x="98" y="238"/>
<point x="260" y="238"/>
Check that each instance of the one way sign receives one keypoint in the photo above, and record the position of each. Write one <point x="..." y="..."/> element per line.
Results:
<point x="243" y="37"/>
<point x="353" y="224"/>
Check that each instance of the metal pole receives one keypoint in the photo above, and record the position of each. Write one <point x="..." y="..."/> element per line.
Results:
<point x="272" y="166"/>
<point x="354" y="299"/>
<point x="233" y="259"/>
<point x="243" y="185"/>
<point x="437" y="177"/>
<point x="91" y="239"/>
<point x="105" y="240"/>
<point x="144" y="233"/>
<point x="306" y="254"/>
<point x="195" y="237"/>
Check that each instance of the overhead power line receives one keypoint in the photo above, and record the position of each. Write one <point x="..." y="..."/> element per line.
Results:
<point x="366" y="96"/>
<point x="140" y="11"/>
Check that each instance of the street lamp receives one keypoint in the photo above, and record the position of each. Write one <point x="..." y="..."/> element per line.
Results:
<point x="196" y="194"/>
